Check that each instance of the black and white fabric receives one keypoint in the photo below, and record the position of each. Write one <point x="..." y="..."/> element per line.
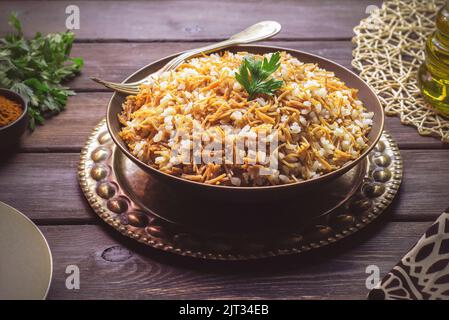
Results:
<point x="423" y="273"/>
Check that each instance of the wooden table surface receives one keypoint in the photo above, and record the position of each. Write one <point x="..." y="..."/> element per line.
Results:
<point x="117" y="38"/>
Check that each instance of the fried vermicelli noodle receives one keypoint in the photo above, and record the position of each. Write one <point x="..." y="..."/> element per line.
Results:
<point x="318" y="122"/>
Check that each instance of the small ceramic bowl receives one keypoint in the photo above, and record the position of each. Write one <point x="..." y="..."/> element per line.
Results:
<point x="11" y="133"/>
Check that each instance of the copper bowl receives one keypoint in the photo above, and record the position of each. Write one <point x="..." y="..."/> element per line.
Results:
<point x="232" y="193"/>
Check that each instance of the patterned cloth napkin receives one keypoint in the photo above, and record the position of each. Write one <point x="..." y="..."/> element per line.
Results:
<point x="423" y="273"/>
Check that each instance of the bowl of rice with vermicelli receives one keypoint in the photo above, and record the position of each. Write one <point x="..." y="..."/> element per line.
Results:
<point x="247" y="118"/>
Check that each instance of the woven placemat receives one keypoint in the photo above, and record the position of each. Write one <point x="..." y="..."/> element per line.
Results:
<point x="389" y="50"/>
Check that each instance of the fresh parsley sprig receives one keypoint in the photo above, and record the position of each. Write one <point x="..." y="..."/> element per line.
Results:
<point x="36" y="67"/>
<point x="253" y="75"/>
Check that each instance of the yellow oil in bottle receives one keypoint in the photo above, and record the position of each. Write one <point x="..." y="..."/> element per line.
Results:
<point x="433" y="74"/>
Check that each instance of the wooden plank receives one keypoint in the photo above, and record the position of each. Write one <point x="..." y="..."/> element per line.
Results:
<point x="115" y="267"/>
<point x="69" y="130"/>
<point x="191" y="20"/>
<point x="425" y="176"/>
<point x="44" y="187"/>
<point x="408" y="137"/>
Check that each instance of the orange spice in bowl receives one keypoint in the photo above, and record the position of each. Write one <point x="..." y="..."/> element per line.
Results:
<point x="13" y="118"/>
<point x="10" y="111"/>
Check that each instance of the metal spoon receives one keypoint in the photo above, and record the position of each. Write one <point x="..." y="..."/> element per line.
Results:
<point x="259" y="31"/>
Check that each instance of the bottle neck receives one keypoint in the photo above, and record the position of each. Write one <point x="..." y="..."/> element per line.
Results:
<point x="442" y="22"/>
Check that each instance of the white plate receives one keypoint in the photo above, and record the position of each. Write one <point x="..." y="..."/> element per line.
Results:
<point x="25" y="259"/>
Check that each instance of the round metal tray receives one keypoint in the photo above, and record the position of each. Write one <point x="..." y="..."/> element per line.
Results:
<point x="139" y="207"/>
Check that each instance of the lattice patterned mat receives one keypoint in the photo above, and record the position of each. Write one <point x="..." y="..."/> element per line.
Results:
<point x="389" y="49"/>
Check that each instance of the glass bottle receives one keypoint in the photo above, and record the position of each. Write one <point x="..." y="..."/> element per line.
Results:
<point x="433" y="74"/>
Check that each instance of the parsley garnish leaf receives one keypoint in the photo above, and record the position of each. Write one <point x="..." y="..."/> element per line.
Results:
<point x="253" y="75"/>
<point x="35" y="69"/>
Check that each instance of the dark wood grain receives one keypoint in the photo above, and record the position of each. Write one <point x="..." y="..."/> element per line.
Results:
<point x="112" y="266"/>
<point x="189" y="20"/>
<point x="118" y="37"/>
<point x="44" y="186"/>
<point x="69" y="130"/>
